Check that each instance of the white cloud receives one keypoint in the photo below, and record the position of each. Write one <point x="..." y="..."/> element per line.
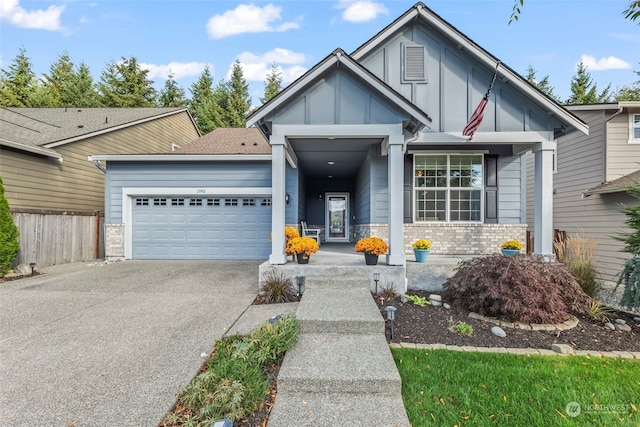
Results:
<point x="84" y="20"/>
<point x="42" y="19"/>
<point x="179" y="69"/>
<point x="256" y="67"/>
<point x="604" y="64"/>
<point x="248" y="18"/>
<point x="361" y="10"/>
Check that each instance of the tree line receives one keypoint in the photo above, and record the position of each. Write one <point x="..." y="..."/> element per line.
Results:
<point x="224" y="104"/>
<point x="125" y="84"/>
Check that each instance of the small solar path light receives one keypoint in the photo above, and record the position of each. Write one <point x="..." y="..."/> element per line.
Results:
<point x="391" y="315"/>
<point x="300" y="284"/>
<point x="225" y="422"/>
<point x="376" y="278"/>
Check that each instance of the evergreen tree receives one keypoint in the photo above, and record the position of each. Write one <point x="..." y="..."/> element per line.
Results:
<point x="203" y="105"/>
<point x="632" y="239"/>
<point x="18" y="83"/>
<point x="273" y="85"/>
<point x="632" y="12"/>
<point x="238" y="101"/>
<point x="82" y="91"/>
<point x="543" y="85"/>
<point x="125" y="84"/>
<point x="630" y="92"/>
<point x="172" y="95"/>
<point x="58" y="82"/>
<point x="584" y="90"/>
<point x="9" y="243"/>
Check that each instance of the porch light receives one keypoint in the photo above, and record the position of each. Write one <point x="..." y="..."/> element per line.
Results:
<point x="300" y="284"/>
<point x="320" y="196"/>
<point x="331" y="163"/>
<point x="376" y="278"/>
<point x="391" y="316"/>
<point x="286" y="198"/>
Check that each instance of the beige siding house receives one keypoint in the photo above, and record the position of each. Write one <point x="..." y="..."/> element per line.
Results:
<point x="56" y="195"/>
<point x="591" y="176"/>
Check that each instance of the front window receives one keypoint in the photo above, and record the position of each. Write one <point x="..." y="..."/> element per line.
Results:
<point x="448" y="187"/>
<point x="635" y="128"/>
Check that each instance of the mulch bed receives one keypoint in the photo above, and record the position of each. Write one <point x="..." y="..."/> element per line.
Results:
<point x="430" y="325"/>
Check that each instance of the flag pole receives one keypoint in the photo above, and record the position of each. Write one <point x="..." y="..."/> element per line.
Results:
<point x="478" y="113"/>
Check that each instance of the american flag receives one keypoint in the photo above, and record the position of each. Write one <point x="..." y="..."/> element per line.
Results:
<point x="478" y="114"/>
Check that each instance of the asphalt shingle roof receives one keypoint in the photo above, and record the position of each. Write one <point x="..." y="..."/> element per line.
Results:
<point x="617" y="185"/>
<point x="228" y="141"/>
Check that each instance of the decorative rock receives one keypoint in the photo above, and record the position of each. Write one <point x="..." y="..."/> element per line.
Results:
<point x="498" y="331"/>
<point x="436" y="303"/>
<point x="610" y="326"/>
<point x="434" y="297"/>
<point x="24" y="269"/>
<point x="620" y="321"/>
<point x="447" y="306"/>
<point x="636" y="319"/>
<point x="562" y="348"/>
<point x="623" y="327"/>
<point x="404" y="298"/>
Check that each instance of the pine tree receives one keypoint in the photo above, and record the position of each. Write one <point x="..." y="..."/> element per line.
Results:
<point x="59" y="80"/>
<point x="238" y="101"/>
<point x="172" y="95"/>
<point x="203" y="105"/>
<point x="273" y="85"/>
<point x="83" y="92"/>
<point x="584" y="90"/>
<point x="632" y="239"/>
<point x="9" y="243"/>
<point x="18" y="83"/>
<point x="630" y="92"/>
<point x="125" y="84"/>
<point x="543" y="85"/>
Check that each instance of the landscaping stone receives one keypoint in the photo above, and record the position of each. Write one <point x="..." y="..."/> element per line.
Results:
<point x="447" y="306"/>
<point x="24" y="269"/>
<point x="623" y="327"/>
<point x="498" y="331"/>
<point x="434" y="297"/>
<point x="610" y="326"/>
<point x="436" y="303"/>
<point x="476" y="316"/>
<point x="620" y="321"/>
<point x="636" y="319"/>
<point x="562" y="348"/>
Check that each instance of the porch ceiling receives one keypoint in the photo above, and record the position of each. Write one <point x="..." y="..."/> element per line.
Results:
<point x="347" y="155"/>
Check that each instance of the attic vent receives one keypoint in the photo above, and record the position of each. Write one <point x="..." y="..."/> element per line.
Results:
<point x="414" y="63"/>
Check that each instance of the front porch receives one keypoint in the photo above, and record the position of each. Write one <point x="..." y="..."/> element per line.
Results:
<point x="340" y="259"/>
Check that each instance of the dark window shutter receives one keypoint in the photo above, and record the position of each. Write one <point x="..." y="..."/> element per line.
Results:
<point x="408" y="189"/>
<point x="491" y="189"/>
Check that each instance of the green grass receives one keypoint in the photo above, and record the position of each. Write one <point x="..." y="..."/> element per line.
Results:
<point x="449" y="388"/>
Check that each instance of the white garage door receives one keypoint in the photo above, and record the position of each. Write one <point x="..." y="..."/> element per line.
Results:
<point x="175" y="227"/>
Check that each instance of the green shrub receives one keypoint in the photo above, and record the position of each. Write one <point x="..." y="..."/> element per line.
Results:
<point x="630" y="277"/>
<point x="523" y="289"/>
<point x="462" y="328"/>
<point x="9" y="245"/>
<point x="418" y="300"/>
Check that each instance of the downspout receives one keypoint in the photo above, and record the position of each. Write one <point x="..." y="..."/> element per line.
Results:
<point x="97" y="217"/>
<point x="99" y="166"/>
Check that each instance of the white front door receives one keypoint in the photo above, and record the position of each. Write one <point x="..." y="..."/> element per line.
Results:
<point x="337" y="217"/>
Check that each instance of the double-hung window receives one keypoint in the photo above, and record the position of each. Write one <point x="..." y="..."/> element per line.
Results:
<point x="634" y="128"/>
<point x="448" y="187"/>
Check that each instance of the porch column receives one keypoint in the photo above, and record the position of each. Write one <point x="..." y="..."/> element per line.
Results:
<point x="543" y="216"/>
<point x="395" y="162"/>
<point x="278" y="165"/>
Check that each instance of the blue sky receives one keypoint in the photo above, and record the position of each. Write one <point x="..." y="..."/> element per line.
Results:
<point x="185" y="35"/>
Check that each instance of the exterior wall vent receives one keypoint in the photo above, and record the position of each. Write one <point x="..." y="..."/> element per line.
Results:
<point x="414" y="63"/>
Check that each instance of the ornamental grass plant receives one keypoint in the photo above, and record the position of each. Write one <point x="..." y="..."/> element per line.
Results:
<point x="372" y="246"/>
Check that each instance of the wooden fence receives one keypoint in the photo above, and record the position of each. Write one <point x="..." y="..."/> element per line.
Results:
<point x="51" y="238"/>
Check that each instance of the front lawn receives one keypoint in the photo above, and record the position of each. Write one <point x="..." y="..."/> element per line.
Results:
<point x="450" y="388"/>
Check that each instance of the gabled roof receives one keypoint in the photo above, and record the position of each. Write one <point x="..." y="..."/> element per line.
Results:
<point x="228" y="141"/>
<point x="618" y="185"/>
<point x="433" y="20"/>
<point x="339" y="58"/>
<point x="39" y="130"/>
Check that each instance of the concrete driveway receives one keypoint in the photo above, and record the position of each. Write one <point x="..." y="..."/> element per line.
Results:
<point x="94" y="344"/>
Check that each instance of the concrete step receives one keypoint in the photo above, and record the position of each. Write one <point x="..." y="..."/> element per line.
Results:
<point x="340" y="363"/>
<point x="336" y="282"/>
<point x="350" y="310"/>
<point x="335" y="409"/>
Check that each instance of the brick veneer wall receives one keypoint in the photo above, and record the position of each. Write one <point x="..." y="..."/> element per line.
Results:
<point x="452" y="238"/>
<point x="114" y="241"/>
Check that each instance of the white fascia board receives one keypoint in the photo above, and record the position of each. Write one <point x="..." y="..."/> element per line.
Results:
<point x="360" y="53"/>
<point x="114" y="128"/>
<point x="483" y="138"/>
<point x="180" y="157"/>
<point x="31" y="149"/>
<point x="338" y="131"/>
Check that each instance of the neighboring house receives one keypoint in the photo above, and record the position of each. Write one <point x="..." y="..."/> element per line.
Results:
<point x="592" y="175"/>
<point x="367" y="143"/>
<point x="56" y="196"/>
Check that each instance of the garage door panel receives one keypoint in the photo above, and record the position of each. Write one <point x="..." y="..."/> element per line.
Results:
<point x="234" y="228"/>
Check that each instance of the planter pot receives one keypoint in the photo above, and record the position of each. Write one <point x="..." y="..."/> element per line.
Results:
<point x="509" y="252"/>
<point x="421" y="254"/>
<point x="371" y="259"/>
<point x="302" y="259"/>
